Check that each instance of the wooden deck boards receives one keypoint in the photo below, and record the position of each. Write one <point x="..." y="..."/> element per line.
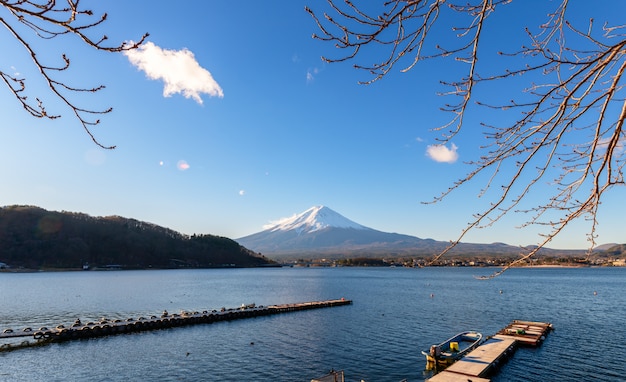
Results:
<point x="446" y="376"/>
<point x="477" y="362"/>
<point x="528" y="333"/>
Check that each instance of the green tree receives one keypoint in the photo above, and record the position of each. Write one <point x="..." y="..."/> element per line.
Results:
<point x="26" y="20"/>
<point x="566" y="129"/>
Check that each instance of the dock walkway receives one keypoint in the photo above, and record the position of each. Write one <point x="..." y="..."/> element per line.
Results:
<point x="484" y="359"/>
<point x="105" y="327"/>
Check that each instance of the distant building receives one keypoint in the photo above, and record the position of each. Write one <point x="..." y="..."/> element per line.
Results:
<point x="616" y="263"/>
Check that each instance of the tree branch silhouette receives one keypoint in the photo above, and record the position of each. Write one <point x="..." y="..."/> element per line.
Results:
<point x="49" y="19"/>
<point x="569" y="126"/>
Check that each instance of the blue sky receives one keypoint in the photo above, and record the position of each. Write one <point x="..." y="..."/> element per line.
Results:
<point x="244" y="124"/>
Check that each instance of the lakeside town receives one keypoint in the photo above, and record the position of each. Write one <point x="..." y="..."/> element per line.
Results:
<point x="571" y="262"/>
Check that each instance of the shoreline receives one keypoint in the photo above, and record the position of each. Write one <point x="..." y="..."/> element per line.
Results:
<point x="542" y="266"/>
<point x="555" y="266"/>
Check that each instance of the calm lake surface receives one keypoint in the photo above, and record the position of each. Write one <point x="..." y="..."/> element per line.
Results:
<point x="377" y="338"/>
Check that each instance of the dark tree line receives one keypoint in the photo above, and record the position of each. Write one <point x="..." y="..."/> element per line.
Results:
<point x="34" y="238"/>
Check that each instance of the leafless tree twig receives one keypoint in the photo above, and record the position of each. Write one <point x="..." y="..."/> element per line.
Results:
<point x="568" y="130"/>
<point x="50" y="19"/>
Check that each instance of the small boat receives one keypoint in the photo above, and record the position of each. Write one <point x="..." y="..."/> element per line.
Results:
<point x="453" y="349"/>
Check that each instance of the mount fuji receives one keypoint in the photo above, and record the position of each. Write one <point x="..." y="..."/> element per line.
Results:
<point x="322" y="231"/>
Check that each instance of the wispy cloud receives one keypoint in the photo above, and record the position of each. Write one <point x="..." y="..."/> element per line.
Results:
<point x="310" y="74"/>
<point x="182" y="165"/>
<point x="274" y="223"/>
<point x="178" y="69"/>
<point x="441" y="153"/>
<point x="603" y="144"/>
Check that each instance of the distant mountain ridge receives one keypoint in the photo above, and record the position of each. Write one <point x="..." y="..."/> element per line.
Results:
<point x="320" y="231"/>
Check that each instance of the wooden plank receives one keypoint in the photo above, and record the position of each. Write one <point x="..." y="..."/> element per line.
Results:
<point x="537" y="323"/>
<point x="523" y="340"/>
<point x="448" y="376"/>
<point x="482" y="358"/>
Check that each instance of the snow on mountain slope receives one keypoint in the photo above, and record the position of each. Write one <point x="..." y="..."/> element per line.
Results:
<point x="322" y="229"/>
<point x="314" y="219"/>
<point x="322" y="232"/>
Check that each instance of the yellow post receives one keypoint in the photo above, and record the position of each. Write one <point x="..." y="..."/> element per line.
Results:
<point x="454" y="346"/>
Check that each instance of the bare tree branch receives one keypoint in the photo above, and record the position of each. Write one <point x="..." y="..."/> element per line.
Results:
<point x="49" y="19"/>
<point x="569" y="127"/>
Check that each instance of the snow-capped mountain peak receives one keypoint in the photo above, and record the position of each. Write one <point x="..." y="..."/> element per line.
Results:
<point x="314" y="219"/>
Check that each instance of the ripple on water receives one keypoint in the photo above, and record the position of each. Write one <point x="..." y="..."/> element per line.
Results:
<point x="377" y="338"/>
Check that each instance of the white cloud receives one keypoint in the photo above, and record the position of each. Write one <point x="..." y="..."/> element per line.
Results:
<point x="178" y="69"/>
<point x="440" y="153"/>
<point x="242" y="192"/>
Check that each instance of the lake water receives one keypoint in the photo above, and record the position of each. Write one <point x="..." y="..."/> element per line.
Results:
<point x="396" y="312"/>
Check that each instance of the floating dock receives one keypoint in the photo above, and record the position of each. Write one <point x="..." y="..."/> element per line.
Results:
<point x="481" y="362"/>
<point x="527" y="333"/>
<point x="105" y="327"/>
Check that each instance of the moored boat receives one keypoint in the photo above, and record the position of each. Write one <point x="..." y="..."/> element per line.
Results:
<point x="453" y="348"/>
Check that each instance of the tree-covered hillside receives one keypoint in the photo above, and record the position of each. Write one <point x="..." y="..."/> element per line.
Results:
<point x="617" y="251"/>
<point x="32" y="237"/>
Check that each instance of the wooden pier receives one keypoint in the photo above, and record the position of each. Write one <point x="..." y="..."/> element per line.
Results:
<point x="482" y="361"/>
<point x="105" y="327"/>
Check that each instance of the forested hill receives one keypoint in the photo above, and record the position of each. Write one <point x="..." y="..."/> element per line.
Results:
<point x="32" y="237"/>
